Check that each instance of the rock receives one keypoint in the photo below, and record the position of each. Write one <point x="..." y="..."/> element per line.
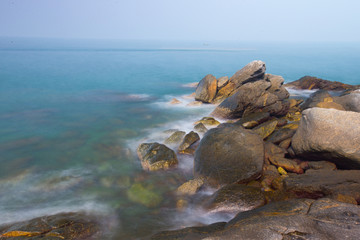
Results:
<point x="175" y="101"/>
<point x="332" y="105"/>
<point x="208" y="121"/>
<point x="206" y="90"/>
<point x="292" y="219"/>
<point x="273" y="150"/>
<point x="285" y="143"/>
<point x="251" y="72"/>
<point x="59" y="226"/>
<point x="143" y="195"/>
<point x="321" y="165"/>
<point x="175" y="138"/>
<point x="229" y="154"/>
<point x="188" y="140"/>
<point x="309" y="83"/>
<point x="194" y="104"/>
<point x="253" y="119"/>
<point x="266" y="128"/>
<point x="281" y="135"/>
<point x="235" y="198"/>
<point x="190" y="187"/>
<point x="315" y="98"/>
<point x="222" y="81"/>
<point x="324" y="183"/>
<point x="287" y="164"/>
<point x="200" y="128"/>
<point x="329" y="134"/>
<point x="275" y="80"/>
<point x="350" y="102"/>
<point x="155" y="156"/>
<point x="190" y="233"/>
<point x="235" y="105"/>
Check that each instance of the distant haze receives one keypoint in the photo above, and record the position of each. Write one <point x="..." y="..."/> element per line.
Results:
<point x="204" y="20"/>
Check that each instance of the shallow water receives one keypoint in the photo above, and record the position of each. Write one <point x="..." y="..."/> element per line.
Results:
<point x="73" y="112"/>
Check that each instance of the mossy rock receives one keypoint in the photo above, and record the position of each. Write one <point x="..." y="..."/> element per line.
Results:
<point x="143" y="195"/>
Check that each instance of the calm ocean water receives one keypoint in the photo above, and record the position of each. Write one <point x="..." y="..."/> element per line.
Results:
<point x="72" y="113"/>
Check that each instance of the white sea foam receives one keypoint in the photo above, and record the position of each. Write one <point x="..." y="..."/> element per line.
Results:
<point x="304" y="93"/>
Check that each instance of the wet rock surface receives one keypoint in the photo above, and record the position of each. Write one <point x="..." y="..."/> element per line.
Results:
<point x="206" y="90"/>
<point x="156" y="156"/>
<point x="76" y="226"/>
<point x="228" y="154"/>
<point x="293" y="219"/>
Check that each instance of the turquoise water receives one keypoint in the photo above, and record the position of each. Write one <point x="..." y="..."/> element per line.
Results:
<point x="72" y="113"/>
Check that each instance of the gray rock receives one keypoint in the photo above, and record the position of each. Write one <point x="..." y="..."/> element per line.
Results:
<point x="350" y="102"/>
<point x="235" y="105"/>
<point x="200" y="128"/>
<point x="253" y="119"/>
<point x="229" y="154"/>
<point x="222" y="81"/>
<point x="315" y="98"/>
<point x="206" y="90"/>
<point x="235" y="198"/>
<point x="275" y="80"/>
<point x="324" y="183"/>
<point x="175" y="138"/>
<point x="329" y="134"/>
<point x="155" y="156"/>
<point x="293" y="219"/>
<point x="251" y="72"/>
<point x="188" y="140"/>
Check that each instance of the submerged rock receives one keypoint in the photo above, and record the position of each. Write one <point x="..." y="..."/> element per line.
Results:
<point x="143" y="195"/>
<point x="329" y="134"/>
<point x="59" y="226"/>
<point x="309" y="83"/>
<point x="200" y="128"/>
<point x="229" y="154"/>
<point x="235" y="198"/>
<point x="155" y="156"/>
<point x="190" y="187"/>
<point x="175" y="138"/>
<point x="208" y="121"/>
<point x="206" y="90"/>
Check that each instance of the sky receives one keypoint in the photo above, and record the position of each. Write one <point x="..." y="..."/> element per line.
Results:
<point x="204" y="20"/>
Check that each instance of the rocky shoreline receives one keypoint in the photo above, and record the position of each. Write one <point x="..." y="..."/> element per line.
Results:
<point x="289" y="167"/>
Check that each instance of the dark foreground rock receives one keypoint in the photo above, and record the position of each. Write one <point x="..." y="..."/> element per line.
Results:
<point x="329" y="134"/>
<point x="294" y="219"/>
<point x="235" y="198"/>
<point x="324" y="183"/>
<point x="229" y="154"/>
<point x="61" y="226"/>
<point x="156" y="156"/>
<point x="309" y="83"/>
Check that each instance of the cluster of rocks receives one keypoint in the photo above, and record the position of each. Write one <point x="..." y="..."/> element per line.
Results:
<point x="290" y="167"/>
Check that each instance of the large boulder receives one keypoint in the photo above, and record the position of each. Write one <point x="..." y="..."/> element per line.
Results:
<point x="250" y="98"/>
<point x="293" y="219"/>
<point x="206" y="90"/>
<point x="229" y="154"/>
<point x="309" y="83"/>
<point x="59" y="226"/>
<point x="329" y="134"/>
<point x="253" y="71"/>
<point x="156" y="156"/>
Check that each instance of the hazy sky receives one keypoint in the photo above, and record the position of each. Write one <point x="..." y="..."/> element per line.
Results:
<point x="263" y="20"/>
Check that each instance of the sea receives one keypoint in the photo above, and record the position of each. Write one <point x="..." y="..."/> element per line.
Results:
<point x="73" y="112"/>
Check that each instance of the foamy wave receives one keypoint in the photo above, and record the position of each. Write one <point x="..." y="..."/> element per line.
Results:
<point x="304" y="93"/>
